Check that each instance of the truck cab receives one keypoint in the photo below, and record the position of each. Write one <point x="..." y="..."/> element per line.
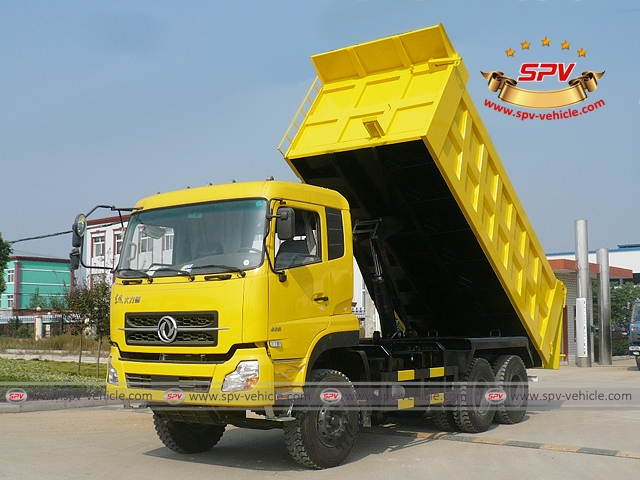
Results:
<point x="209" y="298"/>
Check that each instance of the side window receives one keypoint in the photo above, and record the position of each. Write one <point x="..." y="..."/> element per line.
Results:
<point x="304" y="248"/>
<point x="335" y="233"/>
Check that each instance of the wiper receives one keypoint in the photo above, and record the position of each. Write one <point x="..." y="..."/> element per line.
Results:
<point x="226" y="268"/>
<point x="136" y="273"/>
<point x="179" y="272"/>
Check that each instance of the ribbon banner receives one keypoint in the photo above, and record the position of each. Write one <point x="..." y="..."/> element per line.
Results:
<point x="574" y="93"/>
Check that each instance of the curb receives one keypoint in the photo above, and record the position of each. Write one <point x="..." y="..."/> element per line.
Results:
<point x="504" y="443"/>
<point x="49" y="405"/>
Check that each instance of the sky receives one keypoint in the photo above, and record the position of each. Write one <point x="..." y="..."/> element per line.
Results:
<point x="106" y="102"/>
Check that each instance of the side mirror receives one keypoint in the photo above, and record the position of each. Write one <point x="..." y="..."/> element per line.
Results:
<point x="76" y="240"/>
<point x="286" y="223"/>
<point x="78" y="229"/>
<point x="74" y="256"/>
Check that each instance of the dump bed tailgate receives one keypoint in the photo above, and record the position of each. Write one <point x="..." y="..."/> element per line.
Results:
<point x="390" y="125"/>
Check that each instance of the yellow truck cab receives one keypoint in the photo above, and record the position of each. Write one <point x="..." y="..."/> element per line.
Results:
<point x="209" y="299"/>
<point x="232" y="303"/>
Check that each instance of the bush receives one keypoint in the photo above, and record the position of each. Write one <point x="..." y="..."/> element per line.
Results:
<point x="619" y="347"/>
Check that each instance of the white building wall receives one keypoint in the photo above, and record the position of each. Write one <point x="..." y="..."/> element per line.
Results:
<point x="108" y="235"/>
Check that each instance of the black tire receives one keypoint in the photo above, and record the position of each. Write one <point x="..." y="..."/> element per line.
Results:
<point x="323" y="434"/>
<point x="511" y="377"/>
<point x="474" y="413"/>
<point x="443" y="418"/>
<point x="185" y="437"/>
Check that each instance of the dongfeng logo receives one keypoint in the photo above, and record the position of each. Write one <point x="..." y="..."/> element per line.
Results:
<point x="16" y="395"/>
<point x="167" y="329"/>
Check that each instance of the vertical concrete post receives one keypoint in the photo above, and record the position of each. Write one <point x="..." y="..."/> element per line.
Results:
<point x="37" y="325"/>
<point x="583" y="320"/>
<point x="604" y="307"/>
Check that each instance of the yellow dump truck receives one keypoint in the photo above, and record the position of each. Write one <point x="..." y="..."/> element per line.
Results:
<point x="232" y="303"/>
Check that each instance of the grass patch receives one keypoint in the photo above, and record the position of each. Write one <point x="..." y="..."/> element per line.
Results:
<point x="49" y="371"/>
<point x="67" y="343"/>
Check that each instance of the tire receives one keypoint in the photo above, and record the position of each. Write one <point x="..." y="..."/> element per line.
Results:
<point x="182" y="437"/>
<point x="511" y="377"/>
<point x="443" y="418"/>
<point x="474" y="413"/>
<point x="323" y="434"/>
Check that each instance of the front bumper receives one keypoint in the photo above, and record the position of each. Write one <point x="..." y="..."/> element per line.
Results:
<point x="191" y="383"/>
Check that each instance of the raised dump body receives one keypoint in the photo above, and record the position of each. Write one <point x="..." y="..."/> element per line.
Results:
<point x="389" y="124"/>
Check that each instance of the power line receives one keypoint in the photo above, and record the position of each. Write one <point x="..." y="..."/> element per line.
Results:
<point x="40" y="237"/>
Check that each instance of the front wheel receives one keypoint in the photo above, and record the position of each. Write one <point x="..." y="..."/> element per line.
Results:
<point x="183" y="437"/>
<point x="325" y="428"/>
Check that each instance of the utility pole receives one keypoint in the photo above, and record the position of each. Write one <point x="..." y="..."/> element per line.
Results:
<point x="583" y="320"/>
<point x="604" y="307"/>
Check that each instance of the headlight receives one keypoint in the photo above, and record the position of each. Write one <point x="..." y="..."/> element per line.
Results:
<point x="112" y="374"/>
<point x="244" y="377"/>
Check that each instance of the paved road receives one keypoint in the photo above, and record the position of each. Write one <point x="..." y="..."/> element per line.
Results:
<point x="562" y="441"/>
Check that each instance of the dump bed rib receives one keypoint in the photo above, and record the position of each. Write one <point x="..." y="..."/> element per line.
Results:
<point x="390" y="126"/>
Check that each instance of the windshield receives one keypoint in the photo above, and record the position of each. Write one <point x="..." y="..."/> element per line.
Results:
<point x="204" y="238"/>
<point x="635" y="313"/>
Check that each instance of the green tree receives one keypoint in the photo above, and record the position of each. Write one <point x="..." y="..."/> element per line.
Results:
<point x="622" y="298"/>
<point x="5" y="252"/>
<point x="86" y="311"/>
<point x="37" y="300"/>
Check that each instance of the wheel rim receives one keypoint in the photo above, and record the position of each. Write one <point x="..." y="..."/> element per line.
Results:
<point x="516" y="391"/>
<point x="480" y="401"/>
<point x="331" y="423"/>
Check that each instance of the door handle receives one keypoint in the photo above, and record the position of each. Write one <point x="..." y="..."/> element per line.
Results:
<point x="321" y="299"/>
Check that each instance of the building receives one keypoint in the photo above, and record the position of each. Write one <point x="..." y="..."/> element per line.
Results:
<point x="102" y="246"/>
<point x="625" y="256"/>
<point x="27" y="275"/>
<point x="566" y="270"/>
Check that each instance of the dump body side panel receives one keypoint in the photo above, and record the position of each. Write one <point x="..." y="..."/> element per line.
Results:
<point x="391" y="126"/>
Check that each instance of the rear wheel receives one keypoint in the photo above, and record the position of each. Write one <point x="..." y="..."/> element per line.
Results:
<point x="511" y="377"/>
<point x="182" y="437"/>
<point x="325" y="430"/>
<point x="443" y="418"/>
<point x="474" y="412"/>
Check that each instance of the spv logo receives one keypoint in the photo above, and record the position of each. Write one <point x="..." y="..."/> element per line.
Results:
<point x="495" y="396"/>
<point x="16" y="395"/>
<point x="330" y="395"/>
<point x="536" y="72"/>
<point x="174" y="396"/>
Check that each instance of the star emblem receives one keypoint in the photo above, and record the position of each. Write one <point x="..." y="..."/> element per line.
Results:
<point x="510" y="52"/>
<point x="525" y="45"/>
<point x="545" y="42"/>
<point x="582" y="52"/>
<point x="565" y="45"/>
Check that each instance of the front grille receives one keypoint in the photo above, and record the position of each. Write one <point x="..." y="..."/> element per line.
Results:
<point x="193" y="329"/>
<point x="165" y="382"/>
